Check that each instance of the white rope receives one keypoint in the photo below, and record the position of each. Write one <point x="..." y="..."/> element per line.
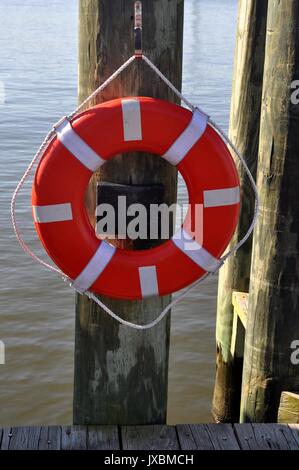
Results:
<point x="170" y="85"/>
<point x="18" y="234"/>
<point x="50" y="137"/>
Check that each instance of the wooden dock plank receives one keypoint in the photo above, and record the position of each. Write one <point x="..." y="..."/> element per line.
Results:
<point x="103" y="438"/>
<point x="50" y="438"/>
<point x="201" y="436"/>
<point x="247" y="438"/>
<point x="43" y="438"/>
<point x="275" y="436"/>
<point x="19" y="438"/>
<point x="54" y="437"/>
<point x="222" y="436"/>
<point x="240" y="303"/>
<point x="6" y="436"/>
<point x="185" y="437"/>
<point x="33" y="437"/>
<point x="288" y="411"/>
<point x="158" y="437"/>
<point x="288" y="435"/>
<point x="74" y="438"/>
<point x="294" y="428"/>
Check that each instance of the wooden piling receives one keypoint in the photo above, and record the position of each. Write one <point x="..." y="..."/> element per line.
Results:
<point x="244" y="132"/>
<point x="120" y="373"/>
<point x="273" y="320"/>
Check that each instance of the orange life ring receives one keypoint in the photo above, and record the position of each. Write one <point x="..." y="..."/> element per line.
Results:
<point x="183" y="138"/>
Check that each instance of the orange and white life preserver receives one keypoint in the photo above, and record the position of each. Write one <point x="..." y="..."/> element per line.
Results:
<point x="81" y="146"/>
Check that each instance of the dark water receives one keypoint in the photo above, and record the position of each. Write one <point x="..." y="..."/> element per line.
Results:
<point x="38" y="73"/>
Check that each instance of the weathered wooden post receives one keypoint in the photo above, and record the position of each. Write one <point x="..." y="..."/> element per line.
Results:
<point x="244" y="132"/>
<point x="120" y="373"/>
<point x="273" y="320"/>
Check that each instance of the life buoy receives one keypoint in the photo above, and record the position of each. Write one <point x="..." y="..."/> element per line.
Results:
<point x="81" y="146"/>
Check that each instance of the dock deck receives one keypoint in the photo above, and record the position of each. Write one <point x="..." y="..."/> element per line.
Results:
<point x="158" y="437"/>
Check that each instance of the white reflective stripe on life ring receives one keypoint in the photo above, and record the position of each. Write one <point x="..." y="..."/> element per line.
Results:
<point x="78" y="148"/>
<point x="148" y="281"/>
<point x="94" y="267"/>
<point x="52" y="213"/>
<point x="193" y="132"/>
<point x="221" y="197"/>
<point x="131" y="119"/>
<point x="195" y="251"/>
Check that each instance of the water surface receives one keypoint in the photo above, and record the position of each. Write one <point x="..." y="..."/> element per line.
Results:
<point x="38" y="70"/>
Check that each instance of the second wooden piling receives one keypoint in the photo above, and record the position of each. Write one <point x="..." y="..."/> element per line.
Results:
<point x="273" y="320"/>
<point x="244" y="132"/>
